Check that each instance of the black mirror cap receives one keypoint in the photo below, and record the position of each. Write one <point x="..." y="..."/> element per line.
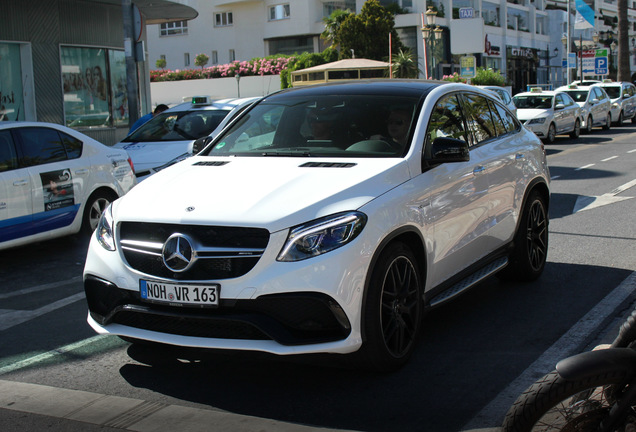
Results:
<point x="446" y="150"/>
<point x="200" y="144"/>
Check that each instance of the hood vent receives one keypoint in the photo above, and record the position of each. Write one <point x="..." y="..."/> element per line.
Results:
<point x="328" y="165"/>
<point x="211" y="163"/>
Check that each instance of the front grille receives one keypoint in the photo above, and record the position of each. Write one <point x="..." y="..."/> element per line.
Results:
<point x="289" y="319"/>
<point x="224" y="252"/>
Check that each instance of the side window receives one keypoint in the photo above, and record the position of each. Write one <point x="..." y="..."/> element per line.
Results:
<point x="507" y="118"/>
<point x="446" y="120"/>
<point x="8" y="155"/>
<point x="500" y="126"/>
<point x="560" y="100"/>
<point x="478" y="117"/>
<point x="72" y="145"/>
<point x="40" y="146"/>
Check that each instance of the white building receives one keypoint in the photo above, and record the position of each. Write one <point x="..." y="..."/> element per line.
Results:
<point x="520" y="36"/>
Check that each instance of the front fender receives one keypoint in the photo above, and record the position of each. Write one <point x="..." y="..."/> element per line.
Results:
<point x="589" y="364"/>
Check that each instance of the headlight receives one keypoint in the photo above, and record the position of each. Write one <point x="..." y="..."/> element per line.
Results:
<point x="104" y="231"/>
<point x="540" y="120"/>
<point x="322" y="235"/>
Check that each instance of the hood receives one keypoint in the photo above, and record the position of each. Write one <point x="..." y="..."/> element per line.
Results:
<point x="270" y="192"/>
<point x="147" y="155"/>
<point x="528" y="114"/>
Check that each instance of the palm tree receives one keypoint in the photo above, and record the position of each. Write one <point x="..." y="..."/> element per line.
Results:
<point x="623" y="42"/>
<point x="403" y="65"/>
<point x="332" y="26"/>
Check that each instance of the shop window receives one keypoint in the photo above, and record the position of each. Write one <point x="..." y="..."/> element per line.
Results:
<point x="279" y="12"/>
<point x="11" y="101"/>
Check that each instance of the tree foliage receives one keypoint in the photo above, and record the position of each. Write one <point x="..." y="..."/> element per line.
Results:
<point x="488" y="77"/>
<point x="304" y="61"/>
<point x="332" y="26"/>
<point x="201" y="60"/>
<point x="404" y="65"/>
<point x="367" y="35"/>
<point x="161" y="63"/>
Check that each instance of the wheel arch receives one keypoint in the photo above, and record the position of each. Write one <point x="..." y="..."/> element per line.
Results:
<point x="539" y="185"/>
<point x="411" y="237"/>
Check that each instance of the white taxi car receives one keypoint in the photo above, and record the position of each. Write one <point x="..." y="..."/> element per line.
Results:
<point x="595" y="105"/>
<point x="55" y="181"/>
<point x="548" y="113"/>
<point x="171" y="134"/>
<point x="325" y="219"/>
<point x="623" y="98"/>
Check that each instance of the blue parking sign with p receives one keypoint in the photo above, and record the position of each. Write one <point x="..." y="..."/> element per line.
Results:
<point x="601" y="66"/>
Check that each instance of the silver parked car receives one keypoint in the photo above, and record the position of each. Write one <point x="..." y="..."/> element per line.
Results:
<point x="623" y="98"/>
<point x="595" y="105"/>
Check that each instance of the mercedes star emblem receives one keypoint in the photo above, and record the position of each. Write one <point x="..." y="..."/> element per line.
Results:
<point x="178" y="254"/>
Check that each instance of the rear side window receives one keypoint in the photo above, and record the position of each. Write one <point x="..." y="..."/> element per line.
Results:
<point x="72" y="145"/>
<point x="40" y="146"/>
<point x="500" y="125"/>
<point x="8" y="155"/>
<point x="478" y="118"/>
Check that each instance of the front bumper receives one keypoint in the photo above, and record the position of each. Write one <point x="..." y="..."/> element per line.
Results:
<point x="310" y="306"/>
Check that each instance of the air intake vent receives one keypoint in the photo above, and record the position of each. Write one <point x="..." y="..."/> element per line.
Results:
<point x="327" y="165"/>
<point x="211" y="163"/>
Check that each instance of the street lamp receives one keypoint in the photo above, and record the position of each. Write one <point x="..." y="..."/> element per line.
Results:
<point x="431" y="35"/>
<point x="548" y="57"/>
<point x="566" y="49"/>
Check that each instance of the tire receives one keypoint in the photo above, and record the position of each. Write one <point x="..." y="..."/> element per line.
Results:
<point x="577" y="129"/>
<point x="608" y="122"/>
<point x="634" y="119"/>
<point x="392" y="311"/>
<point x="554" y="404"/>
<point x="530" y="245"/>
<point x="588" y="125"/>
<point x="95" y="206"/>
<point x="551" y="134"/>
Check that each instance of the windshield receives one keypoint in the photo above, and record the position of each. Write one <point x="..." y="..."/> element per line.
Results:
<point x="178" y="126"/>
<point x="343" y="126"/>
<point x="578" y="95"/>
<point x="533" y="102"/>
<point x="613" y="92"/>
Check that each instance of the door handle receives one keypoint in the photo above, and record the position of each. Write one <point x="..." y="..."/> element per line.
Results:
<point x="20" y="183"/>
<point x="519" y="156"/>
<point x="81" y="171"/>
<point x="479" y="170"/>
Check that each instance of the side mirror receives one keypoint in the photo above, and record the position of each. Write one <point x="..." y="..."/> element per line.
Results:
<point x="200" y="144"/>
<point x="445" y="150"/>
<point x="594" y="101"/>
<point x="559" y="106"/>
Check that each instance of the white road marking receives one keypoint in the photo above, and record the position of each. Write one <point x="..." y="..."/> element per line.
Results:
<point x="47" y="355"/>
<point x="555" y="177"/>
<point x="43" y="287"/>
<point x="13" y="318"/>
<point x="584" y="202"/>
<point x="608" y="159"/>
<point x="584" y="167"/>
<point x="632" y="151"/>
<point x="561" y="349"/>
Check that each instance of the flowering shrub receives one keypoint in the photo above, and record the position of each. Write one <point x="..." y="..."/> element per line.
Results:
<point x="254" y="67"/>
<point x="454" y="78"/>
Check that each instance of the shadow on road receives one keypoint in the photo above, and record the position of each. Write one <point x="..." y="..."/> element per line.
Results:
<point x="460" y="362"/>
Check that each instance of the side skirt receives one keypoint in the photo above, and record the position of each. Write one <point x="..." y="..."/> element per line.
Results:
<point x="468" y="282"/>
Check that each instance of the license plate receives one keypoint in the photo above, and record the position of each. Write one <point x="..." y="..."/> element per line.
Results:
<point x="180" y="294"/>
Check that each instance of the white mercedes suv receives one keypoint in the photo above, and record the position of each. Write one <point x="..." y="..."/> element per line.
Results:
<point x="325" y="219"/>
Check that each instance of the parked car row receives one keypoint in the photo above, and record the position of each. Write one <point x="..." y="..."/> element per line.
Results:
<point x="576" y="107"/>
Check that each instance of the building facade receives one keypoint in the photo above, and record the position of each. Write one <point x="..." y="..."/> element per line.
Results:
<point x="522" y="38"/>
<point x="64" y="61"/>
